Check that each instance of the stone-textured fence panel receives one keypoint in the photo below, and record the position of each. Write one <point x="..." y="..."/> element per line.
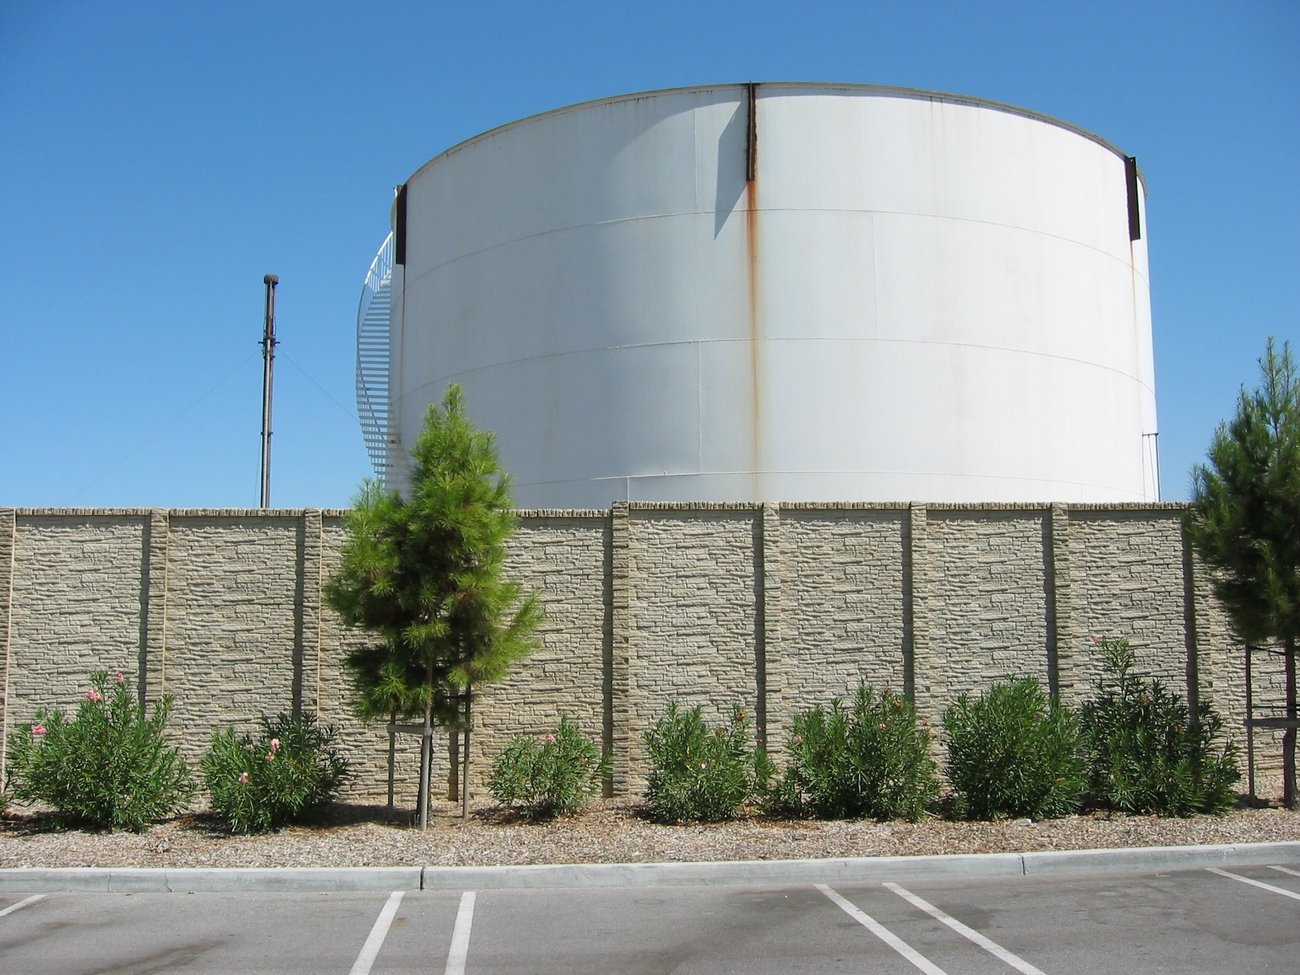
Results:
<point x="773" y="607"/>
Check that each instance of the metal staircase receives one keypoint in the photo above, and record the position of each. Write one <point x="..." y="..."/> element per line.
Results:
<point x="373" y="333"/>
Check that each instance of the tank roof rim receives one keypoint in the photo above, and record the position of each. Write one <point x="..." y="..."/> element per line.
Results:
<point x="856" y="88"/>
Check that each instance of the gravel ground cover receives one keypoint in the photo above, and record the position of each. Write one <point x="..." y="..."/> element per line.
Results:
<point x="608" y="831"/>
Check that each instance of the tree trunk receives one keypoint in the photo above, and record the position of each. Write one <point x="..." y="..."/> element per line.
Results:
<point x="453" y="764"/>
<point x="1289" y="798"/>
<point x="464" y="785"/>
<point x="426" y="738"/>
<point x="1250" y="727"/>
<point x="392" y="759"/>
<point x="426" y="751"/>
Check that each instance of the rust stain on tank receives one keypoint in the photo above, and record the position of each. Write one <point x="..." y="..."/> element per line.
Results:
<point x="755" y="334"/>
<point x="755" y="307"/>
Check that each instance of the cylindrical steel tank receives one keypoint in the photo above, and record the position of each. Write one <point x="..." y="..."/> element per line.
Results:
<point x="787" y="292"/>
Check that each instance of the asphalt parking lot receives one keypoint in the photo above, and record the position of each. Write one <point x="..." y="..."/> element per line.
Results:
<point x="1231" y="918"/>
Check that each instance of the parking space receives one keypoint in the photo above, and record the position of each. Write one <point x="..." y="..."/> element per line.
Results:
<point x="418" y="939"/>
<point x="660" y="930"/>
<point x="1182" y="921"/>
<point x="1231" y="918"/>
<point x="236" y="932"/>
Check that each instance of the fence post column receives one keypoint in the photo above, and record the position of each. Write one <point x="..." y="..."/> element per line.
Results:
<point x="8" y="550"/>
<point x="622" y="722"/>
<point x="916" y="624"/>
<point x="770" y="717"/>
<point x="1061" y="633"/>
<point x="307" y="613"/>
<point x="153" y="618"/>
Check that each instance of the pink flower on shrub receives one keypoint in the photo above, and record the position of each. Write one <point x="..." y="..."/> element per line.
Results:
<point x="1096" y="638"/>
<point x="798" y="739"/>
<point x="94" y="695"/>
<point x="38" y="730"/>
<point x="270" y="756"/>
<point x="243" y="778"/>
<point x="275" y="744"/>
<point x="549" y="739"/>
<point x="118" y="677"/>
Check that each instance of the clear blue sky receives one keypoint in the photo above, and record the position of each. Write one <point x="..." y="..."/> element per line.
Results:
<point x="159" y="158"/>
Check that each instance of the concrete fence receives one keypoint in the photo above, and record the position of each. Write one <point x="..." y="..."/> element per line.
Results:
<point x="775" y="607"/>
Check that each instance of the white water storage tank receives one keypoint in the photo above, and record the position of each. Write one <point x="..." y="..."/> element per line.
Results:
<point x="786" y="292"/>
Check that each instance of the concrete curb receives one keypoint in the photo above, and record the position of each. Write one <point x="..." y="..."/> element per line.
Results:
<point x="1146" y="858"/>
<point x="855" y="870"/>
<point x="861" y="870"/>
<point x="139" y="880"/>
<point x="770" y="872"/>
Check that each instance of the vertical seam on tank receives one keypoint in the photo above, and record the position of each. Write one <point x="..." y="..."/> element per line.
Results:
<point x="699" y="409"/>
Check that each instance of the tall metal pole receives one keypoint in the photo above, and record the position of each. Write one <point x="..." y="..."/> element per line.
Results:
<point x="268" y="375"/>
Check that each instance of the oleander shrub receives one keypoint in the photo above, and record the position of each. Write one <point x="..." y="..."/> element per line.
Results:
<point x="1013" y="752"/>
<point x="551" y="775"/>
<point x="870" y="758"/>
<point x="289" y="773"/>
<point x="698" y="772"/>
<point x="109" y="766"/>
<point x="1147" y="751"/>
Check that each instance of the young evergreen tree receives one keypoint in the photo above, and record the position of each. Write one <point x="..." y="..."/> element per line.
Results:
<point x="425" y="574"/>
<point x="1244" y="522"/>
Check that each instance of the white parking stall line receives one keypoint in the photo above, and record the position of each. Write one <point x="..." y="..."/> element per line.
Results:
<point x="881" y="932"/>
<point x="992" y="947"/>
<point x="460" y="935"/>
<point x="370" y="950"/>
<point x="1255" y="883"/>
<point x="21" y="904"/>
<point x="1294" y="873"/>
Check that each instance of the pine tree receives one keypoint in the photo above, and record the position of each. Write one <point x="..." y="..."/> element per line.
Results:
<point x="426" y="575"/>
<point x="1244" y="522"/>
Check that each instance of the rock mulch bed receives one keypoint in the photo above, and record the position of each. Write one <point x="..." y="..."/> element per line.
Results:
<point x="609" y="831"/>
